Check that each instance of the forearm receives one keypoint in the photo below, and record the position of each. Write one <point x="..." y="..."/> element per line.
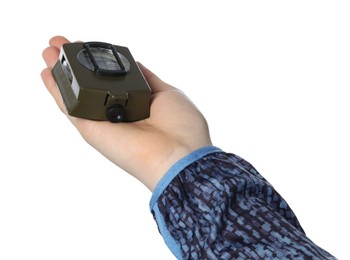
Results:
<point x="215" y="205"/>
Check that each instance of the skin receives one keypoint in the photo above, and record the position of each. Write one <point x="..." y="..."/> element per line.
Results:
<point x="145" y="149"/>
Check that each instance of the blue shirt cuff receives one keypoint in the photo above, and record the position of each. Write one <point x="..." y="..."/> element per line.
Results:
<point x="177" y="168"/>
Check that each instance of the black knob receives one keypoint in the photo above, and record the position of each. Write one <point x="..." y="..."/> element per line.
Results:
<point x="115" y="113"/>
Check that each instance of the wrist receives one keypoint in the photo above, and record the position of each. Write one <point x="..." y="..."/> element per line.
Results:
<point x="174" y="155"/>
<point x="166" y="160"/>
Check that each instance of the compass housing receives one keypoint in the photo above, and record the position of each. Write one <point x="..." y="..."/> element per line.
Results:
<point x="100" y="81"/>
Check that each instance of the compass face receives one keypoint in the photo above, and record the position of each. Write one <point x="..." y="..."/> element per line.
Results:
<point x="105" y="59"/>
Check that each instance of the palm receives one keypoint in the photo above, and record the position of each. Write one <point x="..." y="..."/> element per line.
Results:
<point x="146" y="148"/>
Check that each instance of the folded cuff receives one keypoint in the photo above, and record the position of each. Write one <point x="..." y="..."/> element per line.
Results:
<point x="163" y="184"/>
<point x="177" y="168"/>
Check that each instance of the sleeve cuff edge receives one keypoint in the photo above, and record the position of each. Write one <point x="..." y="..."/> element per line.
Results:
<point x="177" y="168"/>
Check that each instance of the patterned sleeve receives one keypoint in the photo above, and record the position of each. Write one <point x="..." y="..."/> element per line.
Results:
<point x="215" y="205"/>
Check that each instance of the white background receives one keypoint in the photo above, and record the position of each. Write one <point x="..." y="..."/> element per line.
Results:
<point x="271" y="77"/>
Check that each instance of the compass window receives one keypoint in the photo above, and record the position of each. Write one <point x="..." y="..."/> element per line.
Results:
<point x="103" y="60"/>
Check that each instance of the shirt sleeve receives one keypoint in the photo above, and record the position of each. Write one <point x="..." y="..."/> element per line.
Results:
<point x="215" y="205"/>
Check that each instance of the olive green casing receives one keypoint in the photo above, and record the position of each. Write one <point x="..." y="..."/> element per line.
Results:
<point x="88" y="95"/>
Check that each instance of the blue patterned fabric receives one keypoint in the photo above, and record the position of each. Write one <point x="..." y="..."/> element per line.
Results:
<point x="215" y="205"/>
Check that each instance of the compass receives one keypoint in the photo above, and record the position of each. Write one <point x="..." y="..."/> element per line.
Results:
<point x="101" y="81"/>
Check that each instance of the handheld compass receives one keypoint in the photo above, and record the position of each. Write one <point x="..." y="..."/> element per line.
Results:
<point x="101" y="81"/>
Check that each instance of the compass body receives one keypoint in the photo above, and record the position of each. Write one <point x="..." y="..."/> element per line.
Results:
<point x="100" y="81"/>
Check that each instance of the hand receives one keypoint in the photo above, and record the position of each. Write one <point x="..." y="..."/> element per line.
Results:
<point x="146" y="149"/>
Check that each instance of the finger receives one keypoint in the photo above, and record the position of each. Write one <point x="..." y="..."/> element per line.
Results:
<point x="57" y="41"/>
<point x="50" y="55"/>
<point x="154" y="82"/>
<point x="51" y="86"/>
